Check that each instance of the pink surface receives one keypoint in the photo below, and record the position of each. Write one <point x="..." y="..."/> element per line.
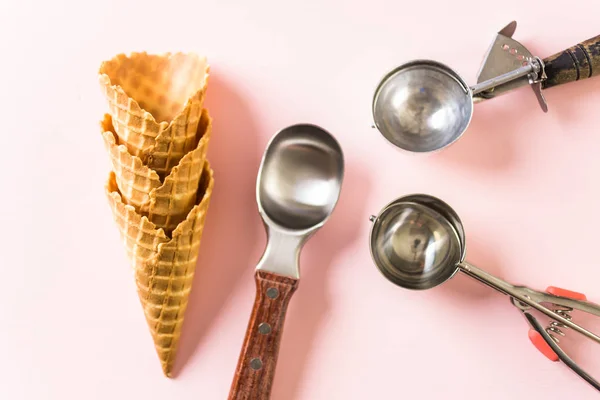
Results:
<point x="525" y="184"/>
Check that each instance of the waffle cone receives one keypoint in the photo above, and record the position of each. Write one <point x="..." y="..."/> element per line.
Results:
<point x="165" y="203"/>
<point x="164" y="267"/>
<point x="156" y="104"/>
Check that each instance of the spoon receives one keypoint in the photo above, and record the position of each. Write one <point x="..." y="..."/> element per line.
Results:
<point x="418" y="242"/>
<point x="424" y="106"/>
<point x="298" y="186"/>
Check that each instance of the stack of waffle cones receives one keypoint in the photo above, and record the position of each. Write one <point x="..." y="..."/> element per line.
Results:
<point x="156" y="134"/>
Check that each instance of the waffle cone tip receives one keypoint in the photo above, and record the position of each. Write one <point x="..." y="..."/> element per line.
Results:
<point x="164" y="266"/>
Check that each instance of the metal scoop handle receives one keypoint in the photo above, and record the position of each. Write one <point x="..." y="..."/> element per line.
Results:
<point x="505" y="78"/>
<point x="558" y="352"/>
<point x="522" y="296"/>
<point x="256" y="366"/>
<point x="579" y="62"/>
<point x="546" y="340"/>
<point x="562" y="300"/>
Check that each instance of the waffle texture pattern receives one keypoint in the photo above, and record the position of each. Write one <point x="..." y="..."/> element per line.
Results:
<point x="156" y="134"/>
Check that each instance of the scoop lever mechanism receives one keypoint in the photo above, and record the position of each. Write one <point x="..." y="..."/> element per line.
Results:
<point x="547" y="340"/>
<point x="509" y="65"/>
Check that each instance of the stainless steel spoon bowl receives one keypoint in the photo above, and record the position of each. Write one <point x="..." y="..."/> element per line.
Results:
<point x="422" y="106"/>
<point x="300" y="177"/>
<point x="298" y="186"/>
<point x="417" y="242"/>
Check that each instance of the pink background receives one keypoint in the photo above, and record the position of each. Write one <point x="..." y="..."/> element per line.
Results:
<point x="525" y="184"/>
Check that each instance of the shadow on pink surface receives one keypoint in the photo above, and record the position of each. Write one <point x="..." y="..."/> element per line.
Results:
<point x="309" y="307"/>
<point x="226" y="247"/>
<point x="489" y="141"/>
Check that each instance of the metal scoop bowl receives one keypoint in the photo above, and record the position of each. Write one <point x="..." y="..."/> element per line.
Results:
<point x="422" y="106"/>
<point x="298" y="186"/>
<point x="418" y="242"/>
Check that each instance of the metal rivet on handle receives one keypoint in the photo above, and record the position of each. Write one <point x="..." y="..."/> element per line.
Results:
<point x="272" y="293"/>
<point x="256" y="364"/>
<point x="264" y="328"/>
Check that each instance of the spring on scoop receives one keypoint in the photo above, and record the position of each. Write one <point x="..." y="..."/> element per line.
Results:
<point x="554" y="329"/>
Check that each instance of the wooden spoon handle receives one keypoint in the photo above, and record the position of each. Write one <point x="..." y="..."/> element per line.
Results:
<point x="256" y="366"/>
<point x="579" y="62"/>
